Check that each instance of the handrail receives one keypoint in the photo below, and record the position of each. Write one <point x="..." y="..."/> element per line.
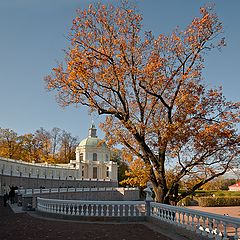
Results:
<point x="64" y="190"/>
<point x="207" y="224"/>
<point x="92" y="208"/>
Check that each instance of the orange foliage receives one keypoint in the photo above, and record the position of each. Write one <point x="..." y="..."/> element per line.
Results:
<point x="152" y="92"/>
<point x="138" y="174"/>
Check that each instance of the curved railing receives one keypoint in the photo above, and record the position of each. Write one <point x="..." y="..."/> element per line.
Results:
<point x="64" y="190"/>
<point x="92" y="208"/>
<point x="207" y="224"/>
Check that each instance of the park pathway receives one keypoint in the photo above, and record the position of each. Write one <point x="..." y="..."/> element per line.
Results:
<point x="23" y="226"/>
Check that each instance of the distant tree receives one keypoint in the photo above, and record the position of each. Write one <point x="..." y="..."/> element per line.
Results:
<point x="152" y="93"/>
<point x="215" y="184"/>
<point x="219" y="183"/>
<point x="42" y="138"/>
<point x="29" y="149"/>
<point x="55" y="146"/>
<point x="68" y="145"/>
<point x="55" y="140"/>
<point x="227" y="182"/>
<point x="9" y="143"/>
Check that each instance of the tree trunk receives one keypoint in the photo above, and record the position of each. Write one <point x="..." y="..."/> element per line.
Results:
<point x="160" y="194"/>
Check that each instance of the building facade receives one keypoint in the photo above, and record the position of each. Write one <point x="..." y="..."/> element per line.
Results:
<point x="93" y="158"/>
<point x="92" y="163"/>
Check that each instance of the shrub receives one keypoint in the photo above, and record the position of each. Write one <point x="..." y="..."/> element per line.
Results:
<point x="219" y="201"/>
<point x="184" y="202"/>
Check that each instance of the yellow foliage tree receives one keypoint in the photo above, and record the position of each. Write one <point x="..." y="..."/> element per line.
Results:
<point x="138" y="174"/>
<point x="152" y="93"/>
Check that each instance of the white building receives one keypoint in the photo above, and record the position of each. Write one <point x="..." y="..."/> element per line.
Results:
<point x="92" y="163"/>
<point x="93" y="158"/>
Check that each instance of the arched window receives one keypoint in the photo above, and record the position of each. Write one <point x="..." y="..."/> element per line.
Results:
<point x="94" y="157"/>
<point x="81" y="157"/>
<point x="107" y="173"/>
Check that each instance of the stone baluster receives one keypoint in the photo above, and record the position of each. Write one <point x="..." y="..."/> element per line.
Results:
<point x="183" y="219"/>
<point x="210" y="227"/>
<point x="204" y="233"/>
<point x="192" y="222"/>
<point x="134" y="211"/>
<point x="163" y="214"/>
<point x="113" y="210"/>
<point x="236" y="236"/>
<point x="118" y="210"/>
<point x="179" y="218"/>
<point x="97" y="213"/>
<point x="69" y="209"/>
<point x="123" y="212"/>
<point x="87" y="209"/>
<point x="188" y="222"/>
<point x="53" y="208"/>
<point x="160" y="213"/>
<point x="73" y="207"/>
<point x="82" y="208"/>
<point x="91" y="206"/>
<point x="60" y="208"/>
<point x="77" y="209"/>
<point x="225" y="231"/>
<point x="218" y="233"/>
<point x="107" y="212"/>
<point x="198" y="224"/>
<point x="64" y="209"/>
<point x="102" y="210"/>
<point x="129" y="210"/>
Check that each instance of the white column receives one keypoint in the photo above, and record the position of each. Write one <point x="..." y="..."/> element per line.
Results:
<point x="110" y="170"/>
<point x="90" y="170"/>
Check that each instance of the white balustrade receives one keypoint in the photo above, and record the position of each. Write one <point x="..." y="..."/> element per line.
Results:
<point x="64" y="190"/>
<point x="206" y="224"/>
<point x="92" y="208"/>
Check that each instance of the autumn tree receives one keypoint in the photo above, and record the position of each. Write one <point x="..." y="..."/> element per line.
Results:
<point x="137" y="175"/>
<point x="55" y="146"/>
<point x="55" y="139"/>
<point x="30" y="149"/>
<point x="9" y="143"/>
<point x="152" y="92"/>
<point x="43" y="139"/>
<point x="67" y="149"/>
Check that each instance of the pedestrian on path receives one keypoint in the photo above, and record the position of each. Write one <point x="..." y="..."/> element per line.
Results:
<point x="5" y="196"/>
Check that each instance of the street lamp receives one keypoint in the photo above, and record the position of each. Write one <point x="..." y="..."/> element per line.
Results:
<point x="37" y="177"/>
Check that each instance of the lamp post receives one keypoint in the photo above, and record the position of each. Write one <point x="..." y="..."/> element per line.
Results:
<point x="20" y="182"/>
<point x="29" y="176"/>
<point x="37" y="177"/>
<point x="1" y="180"/>
<point x="11" y="176"/>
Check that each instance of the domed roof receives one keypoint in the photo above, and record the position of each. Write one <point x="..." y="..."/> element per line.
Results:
<point x="92" y="140"/>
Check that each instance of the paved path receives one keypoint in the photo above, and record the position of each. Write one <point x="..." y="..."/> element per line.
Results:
<point x="22" y="226"/>
<point x="231" y="211"/>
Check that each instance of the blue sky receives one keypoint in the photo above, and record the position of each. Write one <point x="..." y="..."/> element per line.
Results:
<point x="32" y="39"/>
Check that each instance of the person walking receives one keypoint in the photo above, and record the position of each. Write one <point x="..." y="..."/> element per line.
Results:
<point x="12" y="194"/>
<point x="5" y="196"/>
